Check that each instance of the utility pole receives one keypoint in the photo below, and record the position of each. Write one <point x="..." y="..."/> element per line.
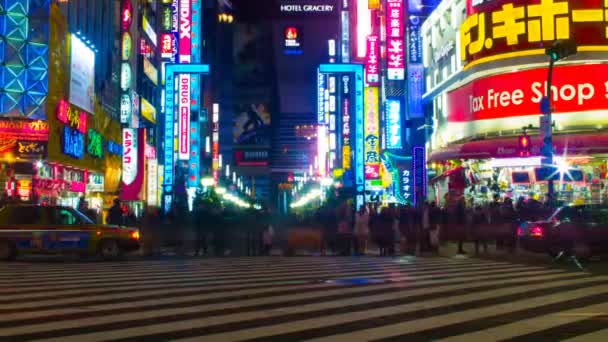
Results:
<point x="560" y="49"/>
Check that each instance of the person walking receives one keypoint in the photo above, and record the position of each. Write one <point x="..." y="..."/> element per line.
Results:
<point x="115" y="213"/>
<point x="362" y="229"/>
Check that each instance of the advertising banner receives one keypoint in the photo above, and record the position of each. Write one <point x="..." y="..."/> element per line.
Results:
<point x="395" y="40"/>
<point x="499" y="26"/>
<point x="133" y="163"/>
<point x="519" y="93"/>
<point x="82" y="75"/>
<point x="372" y="133"/>
<point x="194" y="166"/>
<point x="152" y="183"/>
<point x="372" y="61"/>
<point x="184" y="117"/>
<point x="185" y="31"/>
<point x="252" y="125"/>
<point x="393" y="124"/>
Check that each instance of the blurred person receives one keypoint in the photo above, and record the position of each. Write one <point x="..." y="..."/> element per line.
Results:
<point x="362" y="229"/>
<point x="115" y="213"/>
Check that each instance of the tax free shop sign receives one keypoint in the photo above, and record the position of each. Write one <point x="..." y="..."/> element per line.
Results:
<point x="576" y="88"/>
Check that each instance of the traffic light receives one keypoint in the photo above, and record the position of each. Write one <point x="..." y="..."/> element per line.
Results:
<point x="525" y="146"/>
<point x="561" y="49"/>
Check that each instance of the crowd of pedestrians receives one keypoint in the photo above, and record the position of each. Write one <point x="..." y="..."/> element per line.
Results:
<point x="408" y="230"/>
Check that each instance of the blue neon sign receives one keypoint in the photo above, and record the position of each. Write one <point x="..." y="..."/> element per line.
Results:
<point x="393" y="124"/>
<point x="171" y="70"/>
<point x="356" y="69"/>
<point x="320" y="97"/>
<point x="73" y="143"/>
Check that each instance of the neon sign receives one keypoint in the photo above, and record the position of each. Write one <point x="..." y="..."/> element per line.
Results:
<point x="129" y="158"/>
<point x="372" y="133"/>
<point x="395" y="44"/>
<point x="72" y="117"/>
<point x="126" y="15"/>
<point x="73" y="143"/>
<point x="127" y="46"/>
<point x="372" y="61"/>
<point x="393" y="124"/>
<point x="95" y="144"/>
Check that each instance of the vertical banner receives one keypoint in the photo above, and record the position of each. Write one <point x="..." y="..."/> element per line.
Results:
<point x="320" y="98"/>
<point x="215" y="141"/>
<point x="372" y="61"/>
<point x="322" y="149"/>
<point x="185" y="56"/>
<point x="169" y="135"/>
<point x="184" y="117"/>
<point x="395" y="48"/>
<point x="152" y="186"/>
<point x="133" y="163"/>
<point x="194" y="166"/>
<point x="346" y="118"/>
<point x="345" y="27"/>
<point x="372" y="133"/>
<point x="419" y="174"/>
<point x="393" y="124"/>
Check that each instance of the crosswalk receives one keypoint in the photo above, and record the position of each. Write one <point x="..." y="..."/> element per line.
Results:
<point x="300" y="299"/>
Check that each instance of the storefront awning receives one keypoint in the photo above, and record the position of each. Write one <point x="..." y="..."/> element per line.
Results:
<point x="571" y="144"/>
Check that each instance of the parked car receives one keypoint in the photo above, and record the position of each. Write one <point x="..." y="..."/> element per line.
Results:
<point x="34" y="229"/>
<point x="581" y="231"/>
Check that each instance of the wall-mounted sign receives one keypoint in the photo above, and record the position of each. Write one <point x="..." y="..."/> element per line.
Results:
<point x="372" y="61"/>
<point x="167" y="45"/>
<point x="184" y="117"/>
<point x="395" y="48"/>
<point x="520" y="93"/>
<point x="194" y="164"/>
<point x="292" y="40"/>
<point x="149" y="30"/>
<point x="372" y="133"/>
<point x="130" y="155"/>
<point x="95" y="144"/>
<point x="307" y="7"/>
<point x="73" y="143"/>
<point x="126" y="108"/>
<point x="185" y="31"/>
<point x="147" y="110"/>
<point x="150" y="71"/>
<point x="31" y="148"/>
<point x="15" y="129"/>
<point x="393" y="124"/>
<point x="166" y="19"/>
<point x="126" y="15"/>
<point x="71" y="117"/>
<point x="414" y="40"/>
<point x="126" y="46"/>
<point x="126" y="77"/>
<point x="321" y="87"/>
<point x="498" y="27"/>
<point x="82" y="75"/>
<point x="114" y="148"/>
<point x="152" y="186"/>
<point x="95" y="182"/>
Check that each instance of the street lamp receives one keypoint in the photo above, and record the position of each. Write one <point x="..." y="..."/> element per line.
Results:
<point x="559" y="50"/>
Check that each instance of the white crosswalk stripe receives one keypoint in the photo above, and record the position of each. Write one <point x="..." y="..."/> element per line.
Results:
<point x="296" y="299"/>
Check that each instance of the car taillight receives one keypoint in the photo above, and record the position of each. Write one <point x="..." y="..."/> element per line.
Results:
<point x="135" y="235"/>
<point x="537" y="231"/>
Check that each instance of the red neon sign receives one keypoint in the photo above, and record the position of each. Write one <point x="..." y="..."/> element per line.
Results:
<point x="520" y="93"/>
<point x="126" y="15"/>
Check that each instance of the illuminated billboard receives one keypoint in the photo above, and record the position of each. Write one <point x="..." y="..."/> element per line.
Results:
<point x="395" y="45"/>
<point x="500" y="27"/>
<point x="82" y="75"/>
<point x="393" y="124"/>
<point x="372" y="133"/>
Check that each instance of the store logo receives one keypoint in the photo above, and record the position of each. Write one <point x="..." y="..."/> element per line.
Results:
<point x="184" y="13"/>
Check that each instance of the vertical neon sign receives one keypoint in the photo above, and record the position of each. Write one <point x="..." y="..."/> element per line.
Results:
<point x="363" y="26"/>
<point x="185" y="51"/>
<point x="372" y="133"/>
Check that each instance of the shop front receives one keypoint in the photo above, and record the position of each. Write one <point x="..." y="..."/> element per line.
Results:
<point x="23" y="144"/>
<point x="478" y="151"/>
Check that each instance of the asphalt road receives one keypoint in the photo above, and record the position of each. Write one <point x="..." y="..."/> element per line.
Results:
<point x="306" y="298"/>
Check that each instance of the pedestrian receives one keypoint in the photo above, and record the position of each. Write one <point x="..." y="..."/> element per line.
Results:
<point x="115" y="213"/>
<point x="267" y="239"/>
<point x="362" y="229"/>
